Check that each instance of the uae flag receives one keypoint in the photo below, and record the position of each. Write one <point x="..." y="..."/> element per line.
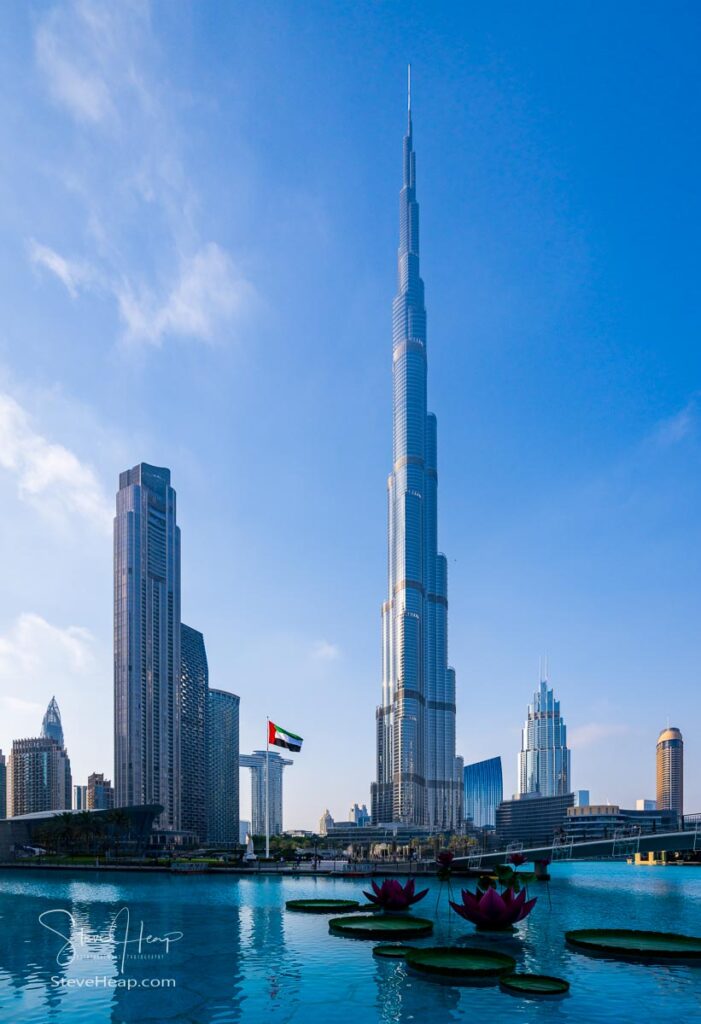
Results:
<point x="278" y="737"/>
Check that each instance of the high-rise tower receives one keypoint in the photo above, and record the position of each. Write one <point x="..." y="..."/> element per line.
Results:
<point x="147" y="643"/>
<point x="670" y="771"/>
<point x="544" y="760"/>
<point x="416" y="776"/>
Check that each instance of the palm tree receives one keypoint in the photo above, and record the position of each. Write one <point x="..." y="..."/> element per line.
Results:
<point x="65" y="830"/>
<point x="117" y="819"/>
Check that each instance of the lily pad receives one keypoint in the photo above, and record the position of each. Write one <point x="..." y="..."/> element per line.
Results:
<point x="323" y="906"/>
<point x="534" y="985"/>
<point x="459" y="965"/>
<point x="384" y="926"/>
<point x="629" y="944"/>
<point x="392" y="952"/>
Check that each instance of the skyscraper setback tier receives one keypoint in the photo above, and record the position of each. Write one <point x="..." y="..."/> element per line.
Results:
<point x="544" y="760"/>
<point x="417" y="779"/>
<point x="147" y="643"/>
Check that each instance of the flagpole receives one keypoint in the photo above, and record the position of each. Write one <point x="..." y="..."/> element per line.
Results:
<point x="267" y="788"/>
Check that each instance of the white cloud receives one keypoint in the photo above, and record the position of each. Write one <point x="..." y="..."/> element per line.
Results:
<point x="677" y="428"/>
<point x="38" y="660"/>
<point x="68" y="51"/>
<point x="595" y="732"/>
<point x="325" y="651"/>
<point x="73" y="275"/>
<point x="49" y="476"/>
<point x="209" y="291"/>
<point x="101" y="64"/>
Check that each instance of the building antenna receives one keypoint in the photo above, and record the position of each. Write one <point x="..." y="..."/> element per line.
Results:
<point x="408" y="88"/>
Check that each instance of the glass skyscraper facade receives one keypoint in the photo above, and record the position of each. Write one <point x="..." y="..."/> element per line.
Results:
<point x="484" y="791"/>
<point x="417" y="781"/>
<point x="194" y="685"/>
<point x="222" y="767"/>
<point x="147" y="643"/>
<point x="544" y="760"/>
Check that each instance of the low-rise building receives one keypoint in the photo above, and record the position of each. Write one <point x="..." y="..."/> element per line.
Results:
<point x="606" y="821"/>
<point x="531" y="819"/>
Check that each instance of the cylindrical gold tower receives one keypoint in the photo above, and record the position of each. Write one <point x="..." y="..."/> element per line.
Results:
<point x="670" y="771"/>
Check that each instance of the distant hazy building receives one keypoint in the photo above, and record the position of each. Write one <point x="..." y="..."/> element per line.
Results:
<point x="194" y="685"/>
<point x="80" y="798"/>
<point x="39" y="770"/>
<point x="3" y="786"/>
<point x="359" y="814"/>
<point x="244" y="830"/>
<point x="645" y="805"/>
<point x="147" y="643"/>
<point x="544" y="761"/>
<point x="38" y="777"/>
<point x="258" y="763"/>
<point x="100" y="794"/>
<point x="670" y="771"/>
<point x="326" y="823"/>
<point x="532" y="819"/>
<point x="484" y="791"/>
<point x="222" y="767"/>
<point x="581" y="798"/>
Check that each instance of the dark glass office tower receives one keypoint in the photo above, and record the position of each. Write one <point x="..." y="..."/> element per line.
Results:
<point x="147" y="643"/>
<point x="194" y="684"/>
<point x="484" y="791"/>
<point x="222" y="767"/>
<point x="417" y="782"/>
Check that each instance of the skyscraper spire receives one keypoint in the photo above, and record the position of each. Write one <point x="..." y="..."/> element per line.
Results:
<point x="416" y="765"/>
<point x="51" y="727"/>
<point x="408" y="96"/>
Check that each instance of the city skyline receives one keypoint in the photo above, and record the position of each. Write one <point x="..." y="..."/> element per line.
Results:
<point x="209" y="292"/>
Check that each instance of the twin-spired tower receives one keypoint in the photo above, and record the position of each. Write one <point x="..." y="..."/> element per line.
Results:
<point x="417" y="773"/>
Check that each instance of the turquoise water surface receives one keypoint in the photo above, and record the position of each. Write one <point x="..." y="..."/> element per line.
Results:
<point x="235" y="954"/>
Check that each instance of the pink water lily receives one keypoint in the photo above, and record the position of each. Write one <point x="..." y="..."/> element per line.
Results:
<point x="493" y="911"/>
<point x="394" y="896"/>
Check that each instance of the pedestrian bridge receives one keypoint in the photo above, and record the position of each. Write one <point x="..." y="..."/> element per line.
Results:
<point x="623" y="843"/>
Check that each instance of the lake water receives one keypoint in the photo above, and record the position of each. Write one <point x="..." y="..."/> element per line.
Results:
<point x="242" y="957"/>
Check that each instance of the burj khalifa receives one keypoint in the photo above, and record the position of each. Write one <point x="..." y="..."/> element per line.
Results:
<point x="418" y="775"/>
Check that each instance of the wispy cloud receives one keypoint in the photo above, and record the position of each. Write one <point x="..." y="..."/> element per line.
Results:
<point x="38" y="660"/>
<point x="678" y="427"/>
<point x="49" y="476"/>
<point x="592" y="733"/>
<point x="143" y="247"/>
<point x="325" y="651"/>
<point x="209" y="291"/>
<point x="72" y="70"/>
<point x="73" y="275"/>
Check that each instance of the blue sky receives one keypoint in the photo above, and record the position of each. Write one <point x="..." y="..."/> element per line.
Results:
<point x="198" y="229"/>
